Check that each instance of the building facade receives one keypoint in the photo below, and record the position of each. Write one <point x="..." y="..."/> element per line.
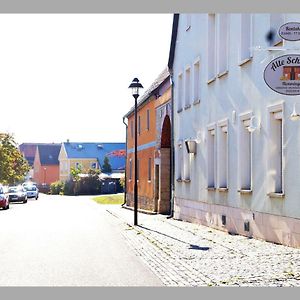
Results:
<point x="236" y="149"/>
<point x="154" y="158"/>
<point x="90" y="156"/>
<point x="46" y="164"/>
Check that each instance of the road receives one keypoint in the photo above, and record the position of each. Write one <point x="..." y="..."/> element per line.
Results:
<point x="67" y="241"/>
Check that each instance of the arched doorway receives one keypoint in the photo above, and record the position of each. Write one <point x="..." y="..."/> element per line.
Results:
<point x="164" y="201"/>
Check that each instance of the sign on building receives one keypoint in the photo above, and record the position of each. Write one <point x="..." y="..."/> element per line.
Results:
<point x="282" y="74"/>
<point x="290" y="31"/>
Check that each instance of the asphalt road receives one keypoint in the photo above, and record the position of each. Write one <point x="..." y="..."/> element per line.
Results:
<point x="67" y="241"/>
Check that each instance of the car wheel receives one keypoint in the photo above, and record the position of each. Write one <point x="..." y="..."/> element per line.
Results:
<point x="7" y="207"/>
<point x="25" y="201"/>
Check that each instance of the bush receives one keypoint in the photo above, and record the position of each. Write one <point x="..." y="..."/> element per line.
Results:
<point x="56" y="188"/>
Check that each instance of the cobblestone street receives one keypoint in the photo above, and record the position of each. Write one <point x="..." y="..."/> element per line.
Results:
<point x="186" y="254"/>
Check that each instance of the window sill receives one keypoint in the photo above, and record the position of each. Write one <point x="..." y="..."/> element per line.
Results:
<point x="179" y="110"/>
<point x="187" y="106"/>
<point x="211" y="80"/>
<point x="276" y="195"/>
<point x="222" y="74"/>
<point x="196" y="102"/>
<point x="225" y="189"/>
<point x="186" y="180"/>
<point x="245" y="191"/>
<point x="149" y="181"/>
<point x="244" y="61"/>
<point x="211" y="189"/>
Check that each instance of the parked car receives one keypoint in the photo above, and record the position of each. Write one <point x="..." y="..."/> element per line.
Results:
<point x="32" y="191"/>
<point x="4" y="199"/>
<point x="17" y="194"/>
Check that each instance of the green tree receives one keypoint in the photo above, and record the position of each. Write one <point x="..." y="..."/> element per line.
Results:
<point x="75" y="177"/>
<point x="106" y="167"/>
<point x="13" y="165"/>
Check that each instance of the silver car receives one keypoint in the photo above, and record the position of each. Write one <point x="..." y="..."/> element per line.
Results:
<point x="32" y="191"/>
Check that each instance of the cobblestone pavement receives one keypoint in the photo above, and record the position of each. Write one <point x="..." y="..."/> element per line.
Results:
<point x="186" y="254"/>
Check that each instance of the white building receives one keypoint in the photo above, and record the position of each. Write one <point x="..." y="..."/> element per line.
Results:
<point x="242" y="180"/>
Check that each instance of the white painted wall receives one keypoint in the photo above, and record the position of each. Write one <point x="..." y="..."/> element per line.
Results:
<point x="241" y="91"/>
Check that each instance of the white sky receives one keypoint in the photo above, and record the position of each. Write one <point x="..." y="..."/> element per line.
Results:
<point x="66" y="76"/>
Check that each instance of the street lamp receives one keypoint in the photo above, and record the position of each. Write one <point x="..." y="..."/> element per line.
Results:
<point x="135" y="86"/>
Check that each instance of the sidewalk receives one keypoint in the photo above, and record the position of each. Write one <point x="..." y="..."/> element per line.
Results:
<point x="186" y="254"/>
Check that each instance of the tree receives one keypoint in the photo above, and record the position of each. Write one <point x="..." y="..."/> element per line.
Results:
<point x="13" y="165"/>
<point x="106" y="167"/>
<point x="75" y="177"/>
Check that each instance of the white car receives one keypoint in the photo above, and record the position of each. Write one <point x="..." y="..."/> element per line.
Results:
<point x="32" y="191"/>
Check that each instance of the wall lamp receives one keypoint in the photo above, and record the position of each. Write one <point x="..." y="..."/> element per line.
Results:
<point x="294" y="115"/>
<point x="191" y="146"/>
<point x="254" y="124"/>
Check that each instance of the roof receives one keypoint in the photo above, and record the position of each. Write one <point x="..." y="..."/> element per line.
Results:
<point x="173" y="40"/>
<point x="49" y="154"/>
<point x="151" y="90"/>
<point x="116" y="152"/>
<point x="29" y="149"/>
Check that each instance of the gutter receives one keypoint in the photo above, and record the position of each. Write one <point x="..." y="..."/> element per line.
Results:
<point x="125" y="188"/>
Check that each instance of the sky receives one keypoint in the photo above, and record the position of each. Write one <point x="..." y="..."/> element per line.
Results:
<point x="66" y="76"/>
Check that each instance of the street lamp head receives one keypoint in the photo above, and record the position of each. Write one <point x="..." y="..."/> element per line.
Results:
<point x="135" y="86"/>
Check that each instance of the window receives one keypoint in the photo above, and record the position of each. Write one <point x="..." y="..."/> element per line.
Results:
<point x="130" y="169"/>
<point x="148" y="119"/>
<point x="179" y="161"/>
<point x="187" y="165"/>
<point x="139" y="125"/>
<point x="180" y="92"/>
<point x="78" y="166"/>
<point x="211" y="44"/>
<point x="131" y="128"/>
<point x="245" y="153"/>
<point x="245" y="37"/>
<point x="276" y="20"/>
<point x="223" y="26"/>
<point x="196" y="81"/>
<point x="211" y="158"/>
<point x="223" y="155"/>
<point x="149" y="169"/>
<point x="187" y="87"/>
<point x="275" y="152"/>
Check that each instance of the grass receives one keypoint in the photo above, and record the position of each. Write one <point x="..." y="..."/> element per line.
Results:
<point x="109" y="199"/>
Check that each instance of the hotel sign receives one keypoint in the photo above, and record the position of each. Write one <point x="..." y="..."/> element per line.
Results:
<point x="282" y="75"/>
<point x="290" y="31"/>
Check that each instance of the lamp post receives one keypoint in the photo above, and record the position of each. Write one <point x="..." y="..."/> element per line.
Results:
<point x="135" y="86"/>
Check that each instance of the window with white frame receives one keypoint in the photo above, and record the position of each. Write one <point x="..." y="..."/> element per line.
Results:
<point x="223" y="35"/>
<point x="222" y="154"/>
<point x="196" y="81"/>
<point x="211" y="44"/>
<point x="211" y="158"/>
<point x="245" y="154"/>
<point x="187" y="165"/>
<point x="180" y="92"/>
<point x="275" y="152"/>
<point x="276" y="20"/>
<point x="246" y="37"/>
<point x="187" y="87"/>
<point x="179" y="161"/>
<point x="130" y="169"/>
<point x="149" y="168"/>
<point x="148" y="119"/>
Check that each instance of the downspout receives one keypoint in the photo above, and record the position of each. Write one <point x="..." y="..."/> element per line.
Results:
<point x="172" y="146"/>
<point x="125" y="190"/>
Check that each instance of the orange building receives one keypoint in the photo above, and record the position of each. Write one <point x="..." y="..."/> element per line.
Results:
<point x="46" y="164"/>
<point x="154" y="148"/>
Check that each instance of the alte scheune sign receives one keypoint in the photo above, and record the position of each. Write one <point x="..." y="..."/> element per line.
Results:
<point x="282" y="74"/>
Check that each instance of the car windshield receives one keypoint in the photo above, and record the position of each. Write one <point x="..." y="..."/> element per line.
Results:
<point x="30" y="188"/>
<point x="15" y="189"/>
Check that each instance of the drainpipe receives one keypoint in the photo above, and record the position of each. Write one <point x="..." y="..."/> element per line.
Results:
<point x="172" y="146"/>
<point x="125" y="191"/>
